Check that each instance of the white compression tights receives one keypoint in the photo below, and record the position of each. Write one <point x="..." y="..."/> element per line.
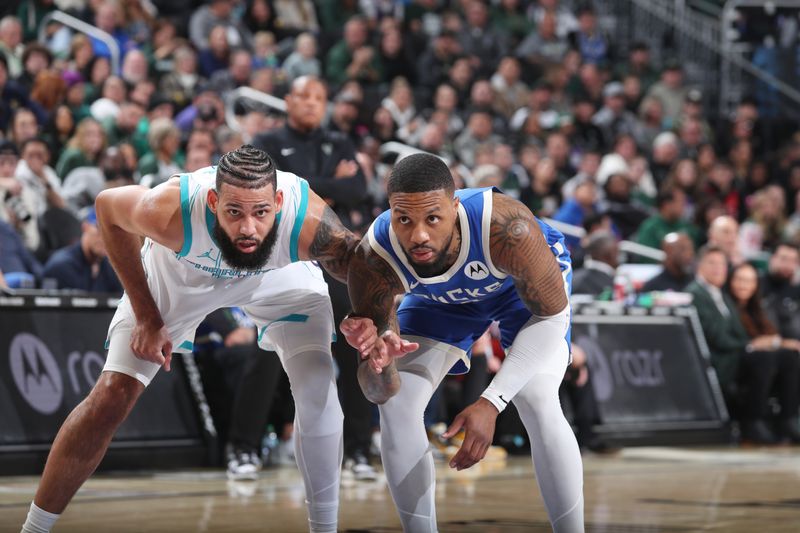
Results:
<point x="409" y="464"/>
<point x="318" y="434"/>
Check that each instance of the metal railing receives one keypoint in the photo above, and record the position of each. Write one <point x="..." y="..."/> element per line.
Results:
<point x="628" y="247"/>
<point x="83" y="27"/>
<point x="248" y="93"/>
<point x="705" y="48"/>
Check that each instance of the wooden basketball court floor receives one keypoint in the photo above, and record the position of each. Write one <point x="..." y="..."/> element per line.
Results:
<point x="636" y="490"/>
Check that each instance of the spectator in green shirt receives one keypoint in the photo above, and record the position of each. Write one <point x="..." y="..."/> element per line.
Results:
<point x="671" y="205"/>
<point x="352" y="58"/>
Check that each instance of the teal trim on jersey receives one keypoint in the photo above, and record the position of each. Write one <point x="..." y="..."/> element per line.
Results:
<point x="186" y="216"/>
<point x="288" y="318"/>
<point x="210" y="221"/>
<point x="107" y="344"/>
<point x="298" y="221"/>
<point x="334" y="338"/>
<point x="186" y="345"/>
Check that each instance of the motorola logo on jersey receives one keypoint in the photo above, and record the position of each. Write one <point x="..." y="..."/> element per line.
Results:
<point x="476" y="270"/>
<point x="36" y="373"/>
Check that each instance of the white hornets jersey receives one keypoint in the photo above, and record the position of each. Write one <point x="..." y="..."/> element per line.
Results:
<point x="188" y="284"/>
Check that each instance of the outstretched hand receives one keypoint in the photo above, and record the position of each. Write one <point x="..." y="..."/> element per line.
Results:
<point x="362" y="335"/>
<point x="478" y="421"/>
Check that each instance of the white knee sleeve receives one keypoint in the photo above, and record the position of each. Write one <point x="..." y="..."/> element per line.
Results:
<point x="318" y="434"/>
<point x="555" y="453"/>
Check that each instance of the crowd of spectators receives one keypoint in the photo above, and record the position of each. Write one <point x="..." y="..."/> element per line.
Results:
<point x="531" y="96"/>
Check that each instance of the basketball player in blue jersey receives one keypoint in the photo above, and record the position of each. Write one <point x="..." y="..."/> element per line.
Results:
<point x="236" y="235"/>
<point x="463" y="259"/>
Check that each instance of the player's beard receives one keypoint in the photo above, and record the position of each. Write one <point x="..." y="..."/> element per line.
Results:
<point x="435" y="268"/>
<point x="245" y="260"/>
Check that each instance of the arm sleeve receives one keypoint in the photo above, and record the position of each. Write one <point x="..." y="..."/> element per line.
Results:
<point x="540" y="348"/>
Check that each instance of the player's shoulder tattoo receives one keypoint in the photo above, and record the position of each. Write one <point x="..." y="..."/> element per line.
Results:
<point x="519" y="249"/>
<point x="513" y="226"/>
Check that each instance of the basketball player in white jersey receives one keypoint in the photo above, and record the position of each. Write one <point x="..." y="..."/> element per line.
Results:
<point x="234" y="235"/>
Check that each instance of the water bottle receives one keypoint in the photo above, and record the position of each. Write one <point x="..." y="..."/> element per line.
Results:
<point x="268" y="444"/>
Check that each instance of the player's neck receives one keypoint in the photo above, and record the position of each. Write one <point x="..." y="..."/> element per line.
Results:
<point x="455" y="248"/>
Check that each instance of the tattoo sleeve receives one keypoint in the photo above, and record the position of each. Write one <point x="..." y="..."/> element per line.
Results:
<point x="332" y="245"/>
<point x="519" y="249"/>
<point x="373" y="285"/>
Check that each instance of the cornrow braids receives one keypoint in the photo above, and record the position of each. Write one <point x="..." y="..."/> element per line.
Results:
<point x="246" y="167"/>
<point x="420" y="173"/>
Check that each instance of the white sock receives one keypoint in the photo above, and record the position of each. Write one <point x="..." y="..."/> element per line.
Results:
<point x="38" y="520"/>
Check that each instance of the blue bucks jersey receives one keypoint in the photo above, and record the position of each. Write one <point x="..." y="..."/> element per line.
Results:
<point x="457" y="306"/>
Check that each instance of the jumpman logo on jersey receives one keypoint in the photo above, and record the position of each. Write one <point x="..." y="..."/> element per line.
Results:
<point x="207" y="255"/>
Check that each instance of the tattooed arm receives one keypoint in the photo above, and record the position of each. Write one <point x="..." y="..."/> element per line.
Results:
<point x="373" y="285"/>
<point x="519" y="249"/>
<point x="324" y="239"/>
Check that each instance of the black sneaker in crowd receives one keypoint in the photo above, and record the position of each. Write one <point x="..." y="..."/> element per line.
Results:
<point x="357" y="466"/>
<point x="243" y="465"/>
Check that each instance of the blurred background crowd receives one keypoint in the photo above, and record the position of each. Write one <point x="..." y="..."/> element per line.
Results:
<point x="562" y="104"/>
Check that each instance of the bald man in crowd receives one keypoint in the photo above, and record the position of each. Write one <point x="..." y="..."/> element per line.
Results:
<point x="678" y="264"/>
<point x="597" y="274"/>
<point x="723" y="233"/>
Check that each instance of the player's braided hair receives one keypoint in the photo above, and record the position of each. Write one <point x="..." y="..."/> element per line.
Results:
<point x="246" y="167"/>
<point x="420" y="173"/>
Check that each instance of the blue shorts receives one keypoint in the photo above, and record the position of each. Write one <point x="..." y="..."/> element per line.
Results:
<point x="461" y="325"/>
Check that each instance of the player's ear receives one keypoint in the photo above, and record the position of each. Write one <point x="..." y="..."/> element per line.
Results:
<point x="212" y="198"/>
<point x="456" y="202"/>
<point x="278" y="200"/>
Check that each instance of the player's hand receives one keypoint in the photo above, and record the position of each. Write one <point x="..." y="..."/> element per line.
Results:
<point x="478" y="421"/>
<point x="360" y="333"/>
<point x="152" y="343"/>
<point x="395" y="346"/>
<point x="389" y="346"/>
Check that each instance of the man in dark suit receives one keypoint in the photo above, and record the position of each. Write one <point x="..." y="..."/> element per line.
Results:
<point x="719" y="318"/>
<point x="727" y="340"/>
<point x="780" y="293"/>
<point x="602" y="260"/>
<point x="678" y="264"/>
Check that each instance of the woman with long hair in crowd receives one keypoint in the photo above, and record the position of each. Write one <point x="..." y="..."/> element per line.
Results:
<point x="83" y="149"/>
<point x="769" y="360"/>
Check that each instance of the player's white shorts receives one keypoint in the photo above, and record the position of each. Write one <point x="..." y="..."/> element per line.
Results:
<point x="290" y="307"/>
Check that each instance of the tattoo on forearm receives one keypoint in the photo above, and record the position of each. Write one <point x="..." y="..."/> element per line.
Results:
<point x="378" y="388"/>
<point x="519" y="249"/>
<point x="332" y="245"/>
<point x="373" y="286"/>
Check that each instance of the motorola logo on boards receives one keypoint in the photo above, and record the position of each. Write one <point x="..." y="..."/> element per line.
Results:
<point x="476" y="270"/>
<point x="36" y="373"/>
